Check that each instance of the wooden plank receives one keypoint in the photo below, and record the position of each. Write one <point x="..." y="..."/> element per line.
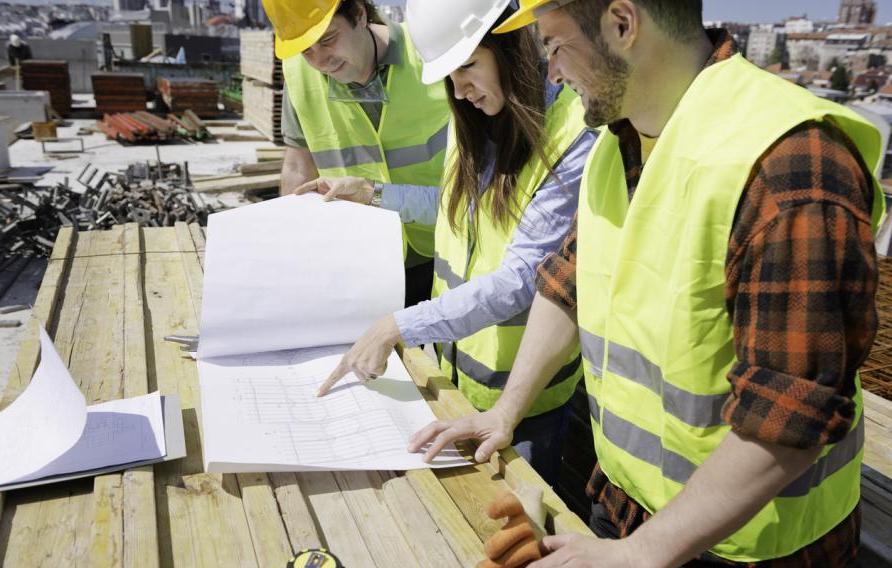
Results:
<point x="270" y="538"/>
<point x="265" y="154"/>
<point x="239" y="183"/>
<point x="417" y="526"/>
<point x="46" y="309"/>
<point x="271" y="166"/>
<point x="140" y="512"/>
<point x="89" y="340"/>
<point x="383" y="538"/>
<point x="448" y="403"/>
<point x="271" y="543"/>
<point x="296" y="514"/>
<point x="201" y="520"/>
<point x="464" y="542"/>
<point x="334" y="519"/>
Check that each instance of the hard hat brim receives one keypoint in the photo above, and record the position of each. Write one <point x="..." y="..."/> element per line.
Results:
<point x="519" y="19"/>
<point x="441" y="67"/>
<point x="286" y="48"/>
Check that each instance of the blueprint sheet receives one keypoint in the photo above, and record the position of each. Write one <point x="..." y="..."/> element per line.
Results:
<point x="288" y="285"/>
<point x="260" y="413"/>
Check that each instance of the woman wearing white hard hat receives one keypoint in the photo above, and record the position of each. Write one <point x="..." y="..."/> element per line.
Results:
<point x="516" y="153"/>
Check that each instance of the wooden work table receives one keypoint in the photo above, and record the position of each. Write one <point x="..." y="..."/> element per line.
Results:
<point x="108" y="299"/>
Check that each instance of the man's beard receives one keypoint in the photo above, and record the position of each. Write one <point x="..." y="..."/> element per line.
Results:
<point x="606" y="86"/>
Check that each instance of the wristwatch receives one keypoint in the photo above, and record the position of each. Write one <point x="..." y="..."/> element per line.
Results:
<point x="377" y="193"/>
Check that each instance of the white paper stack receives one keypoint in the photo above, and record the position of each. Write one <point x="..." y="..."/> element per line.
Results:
<point x="49" y="433"/>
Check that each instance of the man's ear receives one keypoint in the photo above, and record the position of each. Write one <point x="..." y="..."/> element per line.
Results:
<point x="621" y="24"/>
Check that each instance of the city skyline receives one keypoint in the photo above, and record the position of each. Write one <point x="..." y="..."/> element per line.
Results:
<point x="769" y="11"/>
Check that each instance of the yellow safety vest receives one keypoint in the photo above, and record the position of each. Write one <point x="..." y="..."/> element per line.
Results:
<point x="483" y="360"/>
<point x="408" y="147"/>
<point x="656" y="337"/>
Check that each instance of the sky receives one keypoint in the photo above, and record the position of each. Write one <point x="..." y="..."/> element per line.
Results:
<point x="777" y="10"/>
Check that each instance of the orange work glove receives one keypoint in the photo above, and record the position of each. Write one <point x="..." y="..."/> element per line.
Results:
<point x="515" y="544"/>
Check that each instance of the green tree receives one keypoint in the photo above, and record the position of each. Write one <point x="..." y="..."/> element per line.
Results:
<point x="839" y="80"/>
<point x="777" y="56"/>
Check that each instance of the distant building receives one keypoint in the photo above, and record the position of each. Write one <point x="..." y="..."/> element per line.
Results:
<point x="857" y="12"/>
<point x="762" y="43"/>
<point x="841" y="46"/>
<point x="804" y="50"/>
<point x="128" y="5"/>
<point x="799" y="26"/>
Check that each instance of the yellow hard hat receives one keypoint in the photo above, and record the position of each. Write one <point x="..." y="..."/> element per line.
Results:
<point x="527" y="13"/>
<point x="299" y="23"/>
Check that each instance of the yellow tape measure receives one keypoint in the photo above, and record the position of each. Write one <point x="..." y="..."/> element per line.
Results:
<point x="315" y="558"/>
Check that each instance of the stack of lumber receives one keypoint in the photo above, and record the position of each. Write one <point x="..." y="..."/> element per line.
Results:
<point x="255" y="179"/>
<point x="51" y="76"/>
<point x="144" y="128"/>
<point x="258" y="58"/>
<point x="198" y="95"/>
<point x="119" y="92"/>
<point x="263" y="108"/>
<point x="262" y="83"/>
<point x="108" y="298"/>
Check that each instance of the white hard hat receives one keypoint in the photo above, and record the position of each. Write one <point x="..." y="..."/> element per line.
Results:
<point x="447" y="33"/>
<point x="15" y="40"/>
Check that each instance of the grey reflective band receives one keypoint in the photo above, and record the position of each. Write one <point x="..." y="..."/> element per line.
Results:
<point x="396" y="158"/>
<point x="549" y="6"/>
<point x="518" y="320"/>
<point x="347" y="157"/>
<point x="480" y="373"/>
<point x="592" y="350"/>
<point x="642" y="444"/>
<point x="648" y="447"/>
<point x="837" y="458"/>
<point x="699" y="410"/>
<point x="411" y="155"/>
<point x="444" y="272"/>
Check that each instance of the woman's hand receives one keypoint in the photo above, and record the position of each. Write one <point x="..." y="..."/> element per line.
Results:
<point x="367" y="359"/>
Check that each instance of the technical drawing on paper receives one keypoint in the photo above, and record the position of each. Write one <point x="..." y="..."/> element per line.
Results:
<point x="261" y="410"/>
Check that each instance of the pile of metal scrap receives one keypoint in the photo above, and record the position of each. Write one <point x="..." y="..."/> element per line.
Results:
<point x="153" y="194"/>
<point x="145" y="128"/>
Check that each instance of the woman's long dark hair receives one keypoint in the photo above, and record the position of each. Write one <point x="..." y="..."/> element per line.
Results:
<point x="517" y="130"/>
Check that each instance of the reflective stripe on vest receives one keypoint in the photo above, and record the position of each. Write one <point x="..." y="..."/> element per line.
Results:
<point x="701" y="410"/>
<point x="396" y="158"/>
<point x="482" y="374"/>
<point x="656" y="336"/>
<point x="407" y="147"/>
<point x="482" y="362"/>
<point x="648" y="448"/>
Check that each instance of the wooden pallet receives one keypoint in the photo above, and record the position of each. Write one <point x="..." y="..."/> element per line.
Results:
<point x="263" y="108"/>
<point x="258" y="58"/>
<point x="119" y="92"/>
<point x="108" y="298"/>
<point x="52" y="76"/>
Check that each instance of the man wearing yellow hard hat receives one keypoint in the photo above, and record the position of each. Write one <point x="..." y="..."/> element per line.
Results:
<point x="358" y="113"/>
<point x="721" y="281"/>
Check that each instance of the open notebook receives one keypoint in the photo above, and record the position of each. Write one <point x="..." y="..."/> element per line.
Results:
<point x="49" y="434"/>
<point x="289" y="284"/>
